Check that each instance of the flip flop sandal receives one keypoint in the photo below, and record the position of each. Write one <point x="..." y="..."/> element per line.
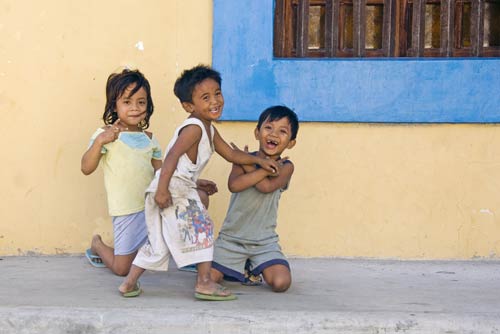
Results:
<point x="94" y="260"/>
<point x="134" y="293"/>
<point x="215" y="296"/>
<point x="252" y="280"/>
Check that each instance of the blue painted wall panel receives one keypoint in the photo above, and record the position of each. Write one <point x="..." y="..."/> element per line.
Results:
<point x="344" y="90"/>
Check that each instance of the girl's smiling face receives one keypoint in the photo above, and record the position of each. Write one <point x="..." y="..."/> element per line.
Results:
<point x="131" y="110"/>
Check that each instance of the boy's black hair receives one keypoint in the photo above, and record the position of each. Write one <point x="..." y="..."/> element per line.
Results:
<point x="278" y="112"/>
<point x="115" y="87"/>
<point x="184" y="85"/>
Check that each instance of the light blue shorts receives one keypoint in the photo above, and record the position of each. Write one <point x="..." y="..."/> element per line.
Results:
<point x="130" y="232"/>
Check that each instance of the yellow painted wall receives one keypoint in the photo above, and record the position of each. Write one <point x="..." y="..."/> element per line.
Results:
<point x="359" y="190"/>
<point x="390" y="191"/>
<point x="55" y="58"/>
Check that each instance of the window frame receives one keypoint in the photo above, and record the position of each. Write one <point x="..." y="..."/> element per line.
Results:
<point x="363" y="90"/>
<point x="395" y="29"/>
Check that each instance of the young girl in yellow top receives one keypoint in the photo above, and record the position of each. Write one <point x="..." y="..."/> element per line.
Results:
<point x="129" y="156"/>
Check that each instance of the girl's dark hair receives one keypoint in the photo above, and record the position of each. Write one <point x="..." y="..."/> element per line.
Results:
<point x="115" y="87"/>
<point x="278" y="112"/>
<point x="184" y="85"/>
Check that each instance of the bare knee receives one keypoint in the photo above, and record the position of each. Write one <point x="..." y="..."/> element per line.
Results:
<point x="278" y="277"/>
<point x="121" y="264"/>
<point x="121" y="271"/>
<point x="280" y="284"/>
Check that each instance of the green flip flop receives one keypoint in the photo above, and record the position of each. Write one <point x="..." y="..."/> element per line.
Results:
<point x="134" y="293"/>
<point x="215" y="296"/>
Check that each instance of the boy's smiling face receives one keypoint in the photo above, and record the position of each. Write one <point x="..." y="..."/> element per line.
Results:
<point x="207" y="101"/>
<point x="274" y="137"/>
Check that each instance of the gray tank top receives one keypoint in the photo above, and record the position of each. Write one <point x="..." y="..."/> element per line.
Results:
<point x="252" y="217"/>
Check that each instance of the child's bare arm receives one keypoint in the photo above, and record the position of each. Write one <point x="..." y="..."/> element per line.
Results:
<point x="246" y="176"/>
<point x="240" y="180"/>
<point x="240" y="157"/>
<point x="272" y="183"/>
<point x="189" y="136"/>
<point x="242" y="176"/>
<point x="90" y="159"/>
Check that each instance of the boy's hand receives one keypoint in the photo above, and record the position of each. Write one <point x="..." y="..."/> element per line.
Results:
<point x="270" y="165"/>
<point x="207" y="186"/>
<point x="111" y="133"/>
<point x="280" y="166"/>
<point x="163" y="198"/>
<point x="236" y="148"/>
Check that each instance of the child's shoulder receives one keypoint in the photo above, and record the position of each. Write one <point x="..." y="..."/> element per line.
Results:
<point x="149" y="134"/>
<point x="193" y="123"/>
<point x="288" y="167"/>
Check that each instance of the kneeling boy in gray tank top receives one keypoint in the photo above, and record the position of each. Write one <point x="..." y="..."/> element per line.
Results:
<point x="247" y="246"/>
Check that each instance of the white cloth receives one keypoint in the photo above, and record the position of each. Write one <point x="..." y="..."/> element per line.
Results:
<point x="183" y="230"/>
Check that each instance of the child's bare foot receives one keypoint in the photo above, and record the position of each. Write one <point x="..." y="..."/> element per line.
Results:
<point x="130" y="289"/>
<point x="209" y="290"/>
<point x="96" y="242"/>
<point x="92" y="254"/>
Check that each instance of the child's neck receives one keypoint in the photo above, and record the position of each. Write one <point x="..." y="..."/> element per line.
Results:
<point x="133" y="129"/>
<point x="261" y="154"/>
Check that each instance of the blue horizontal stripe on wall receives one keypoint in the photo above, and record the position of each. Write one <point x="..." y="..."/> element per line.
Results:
<point x="445" y="90"/>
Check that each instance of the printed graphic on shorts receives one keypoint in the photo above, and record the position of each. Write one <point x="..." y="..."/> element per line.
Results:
<point x="196" y="229"/>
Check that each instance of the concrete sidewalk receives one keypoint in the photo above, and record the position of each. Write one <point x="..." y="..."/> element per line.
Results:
<point x="64" y="294"/>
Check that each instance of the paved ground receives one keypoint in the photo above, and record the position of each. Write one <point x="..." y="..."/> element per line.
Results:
<point x="64" y="294"/>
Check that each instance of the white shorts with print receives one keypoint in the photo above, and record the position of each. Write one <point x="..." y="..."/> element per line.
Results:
<point x="183" y="230"/>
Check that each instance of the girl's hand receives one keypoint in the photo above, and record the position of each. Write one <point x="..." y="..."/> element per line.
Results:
<point x="111" y="133"/>
<point x="207" y="186"/>
<point x="163" y="198"/>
